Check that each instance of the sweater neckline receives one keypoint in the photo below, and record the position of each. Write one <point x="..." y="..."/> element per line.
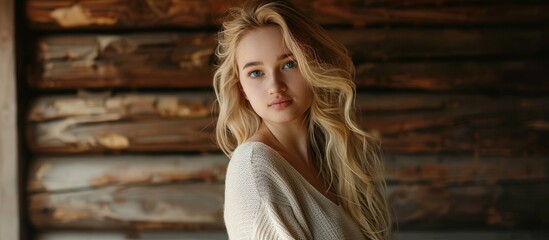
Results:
<point x="295" y="172"/>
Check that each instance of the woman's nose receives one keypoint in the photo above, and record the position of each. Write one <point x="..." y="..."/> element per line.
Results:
<point x="277" y="84"/>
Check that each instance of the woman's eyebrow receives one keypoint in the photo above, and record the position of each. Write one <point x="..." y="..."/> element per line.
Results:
<point x="251" y="64"/>
<point x="285" y="55"/>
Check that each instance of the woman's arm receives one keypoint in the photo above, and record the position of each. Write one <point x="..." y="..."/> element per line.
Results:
<point x="249" y="212"/>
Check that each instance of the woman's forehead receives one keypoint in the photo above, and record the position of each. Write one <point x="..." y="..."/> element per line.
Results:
<point x="261" y="44"/>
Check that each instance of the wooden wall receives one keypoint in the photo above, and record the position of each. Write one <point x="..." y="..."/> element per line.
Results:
<point x="9" y="167"/>
<point x="122" y="116"/>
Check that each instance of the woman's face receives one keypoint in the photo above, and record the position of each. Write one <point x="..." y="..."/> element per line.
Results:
<point x="270" y="78"/>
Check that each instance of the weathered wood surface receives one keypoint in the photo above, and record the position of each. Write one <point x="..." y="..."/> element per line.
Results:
<point x="452" y="123"/>
<point x="471" y="206"/>
<point x="67" y="173"/>
<point x="101" y="14"/>
<point x="139" y="192"/>
<point x="412" y="234"/>
<point x="9" y="161"/>
<point x="428" y="191"/>
<point x="445" y="170"/>
<point x="406" y="123"/>
<point x="458" y="191"/>
<point x="113" y="235"/>
<point x="87" y="235"/>
<point x="125" y="122"/>
<point x="395" y="58"/>
<point x="142" y="60"/>
<point x="450" y="43"/>
<point x="62" y="174"/>
<point x="527" y="76"/>
<point x="188" y="206"/>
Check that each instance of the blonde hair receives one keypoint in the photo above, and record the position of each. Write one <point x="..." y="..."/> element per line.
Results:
<point x="348" y="157"/>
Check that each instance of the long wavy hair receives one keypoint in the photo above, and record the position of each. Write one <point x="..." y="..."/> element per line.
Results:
<point x="348" y="158"/>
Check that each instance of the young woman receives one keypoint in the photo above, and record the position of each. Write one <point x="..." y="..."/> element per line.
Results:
<point x="301" y="167"/>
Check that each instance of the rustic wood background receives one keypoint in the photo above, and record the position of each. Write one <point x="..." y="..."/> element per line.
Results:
<point x="9" y="157"/>
<point x="122" y="113"/>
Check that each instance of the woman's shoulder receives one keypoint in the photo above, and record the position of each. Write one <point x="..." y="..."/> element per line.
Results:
<point x="241" y="171"/>
<point x="255" y="154"/>
<point x="262" y="165"/>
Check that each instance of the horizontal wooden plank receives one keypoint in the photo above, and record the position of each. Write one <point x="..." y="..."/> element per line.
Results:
<point x="470" y="206"/>
<point x="112" y="14"/>
<point x="125" y="122"/>
<point x="455" y="234"/>
<point x="449" y="123"/>
<point x="407" y="123"/>
<point x="200" y="206"/>
<point x="73" y="173"/>
<point x="183" y="104"/>
<point x="54" y="174"/>
<point x="451" y="169"/>
<point x="185" y="60"/>
<point x="526" y="76"/>
<point x="195" y="206"/>
<point x="87" y="235"/>
<point x="401" y="44"/>
<point x="427" y="191"/>
<point x="103" y="134"/>
<point x="146" y="235"/>
<point x="137" y="60"/>
<point x="472" y="234"/>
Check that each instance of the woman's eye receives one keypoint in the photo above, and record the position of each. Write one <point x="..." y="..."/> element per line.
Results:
<point x="255" y="74"/>
<point x="289" y="64"/>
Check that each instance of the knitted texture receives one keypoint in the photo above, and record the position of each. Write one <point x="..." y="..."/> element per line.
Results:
<point x="266" y="198"/>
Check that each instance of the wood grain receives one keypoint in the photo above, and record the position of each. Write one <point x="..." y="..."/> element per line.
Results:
<point x="454" y="123"/>
<point x="445" y="170"/>
<point x="467" y="148"/>
<point x="9" y="162"/>
<point x="427" y="59"/>
<point x="470" y="206"/>
<point x="112" y="14"/>
<point x="125" y="122"/>
<point x="63" y="174"/>
<point x="137" y="60"/>
<point x="426" y="191"/>
<point x="407" y="123"/>
<point x="411" y="234"/>
<point x="74" y="173"/>
<point x="189" y="206"/>
<point x="196" y="207"/>
<point x="499" y="76"/>
<point x="120" y="235"/>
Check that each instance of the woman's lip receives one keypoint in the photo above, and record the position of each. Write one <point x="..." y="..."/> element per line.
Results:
<point x="279" y="101"/>
<point x="281" y="105"/>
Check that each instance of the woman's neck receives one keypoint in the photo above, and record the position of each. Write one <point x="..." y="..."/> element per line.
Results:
<point x="292" y="139"/>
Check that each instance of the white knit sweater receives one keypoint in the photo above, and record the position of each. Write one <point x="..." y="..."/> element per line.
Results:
<point x="266" y="198"/>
